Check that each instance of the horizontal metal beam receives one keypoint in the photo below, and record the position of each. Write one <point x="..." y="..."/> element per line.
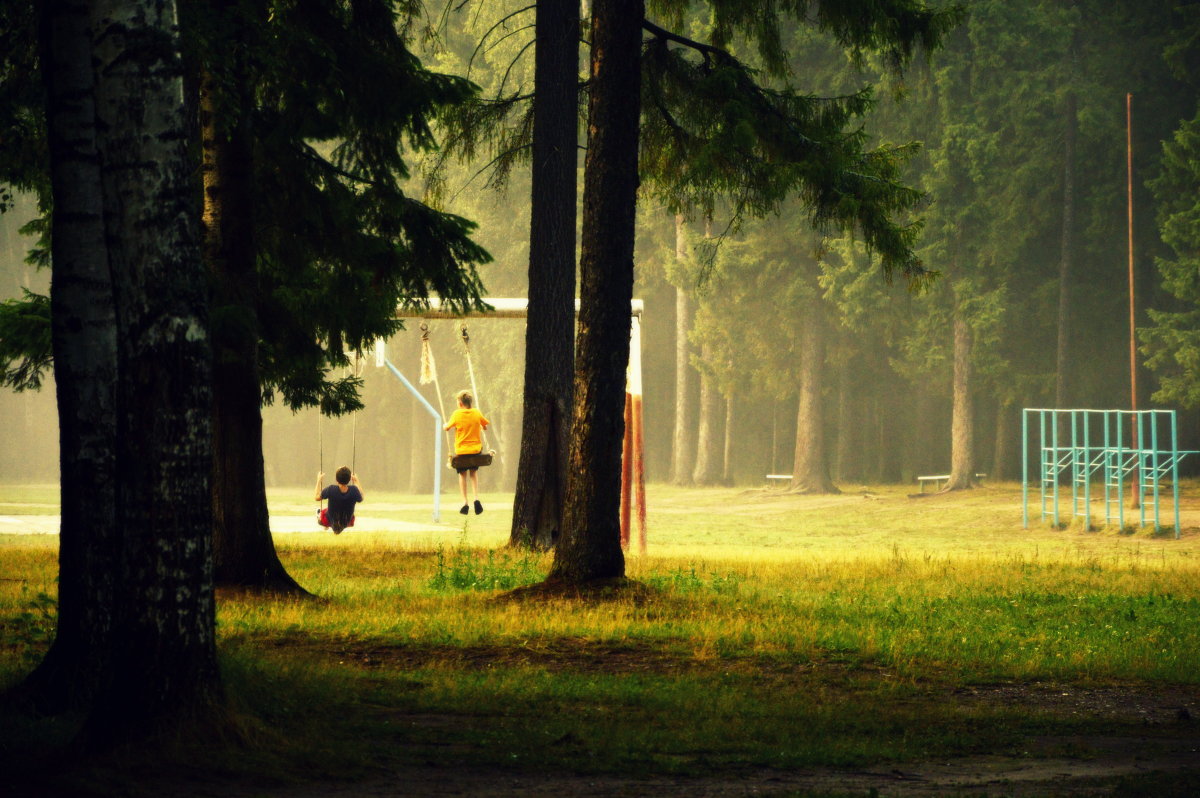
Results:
<point x="501" y="308"/>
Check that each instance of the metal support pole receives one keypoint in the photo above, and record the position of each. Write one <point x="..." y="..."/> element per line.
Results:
<point x="1024" y="467"/>
<point x="1087" y="472"/>
<point x="1057" y="464"/>
<point x="1175" y="468"/>
<point x="1140" y="482"/>
<point x="1120" y="457"/>
<point x="1152" y="455"/>
<point x="437" y="440"/>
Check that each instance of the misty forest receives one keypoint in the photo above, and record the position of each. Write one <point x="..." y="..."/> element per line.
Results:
<point x="836" y="368"/>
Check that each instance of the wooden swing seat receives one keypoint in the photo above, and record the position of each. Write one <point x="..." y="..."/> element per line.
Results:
<point x="477" y="460"/>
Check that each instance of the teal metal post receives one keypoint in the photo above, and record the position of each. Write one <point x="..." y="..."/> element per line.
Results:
<point x="1024" y="467"/>
<point x="1139" y="480"/>
<point x="1153" y="456"/>
<point x="1175" y="468"/>
<point x="1120" y="473"/>
<point x="1087" y="465"/>
<point x="1057" y="465"/>
<point x="1074" y="465"/>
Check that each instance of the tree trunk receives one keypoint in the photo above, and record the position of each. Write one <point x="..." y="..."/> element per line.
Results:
<point x="83" y="330"/>
<point x="810" y="468"/>
<point x="162" y="671"/>
<point x="727" y="460"/>
<point x="590" y="547"/>
<point x="683" y="446"/>
<point x="962" y="432"/>
<point x="773" y="463"/>
<point x="243" y="552"/>
<point x="706" y="470"/>
<point x="890" y="443"/>
<point x="850" y="426"/>
<point x="1001" y="456"/>
<point x="1062" y="381"/>
<point x="541" y="471"/>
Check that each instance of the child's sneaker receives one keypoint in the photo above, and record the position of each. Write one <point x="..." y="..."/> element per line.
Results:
<point x="465" y="509"/>
<point x="478" y="507"/>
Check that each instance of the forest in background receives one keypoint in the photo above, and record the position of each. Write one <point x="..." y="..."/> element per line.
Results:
<point x="1021" y="126"/>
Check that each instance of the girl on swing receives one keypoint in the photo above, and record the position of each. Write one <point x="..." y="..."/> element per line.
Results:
<point x="468" y="425"/>
<point x="342" y="496"/>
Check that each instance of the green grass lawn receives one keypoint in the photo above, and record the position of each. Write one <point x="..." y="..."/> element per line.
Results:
<point x="862" y="630"/>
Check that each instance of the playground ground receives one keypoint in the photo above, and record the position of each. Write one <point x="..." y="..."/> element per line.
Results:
<point x="866" y="643"/>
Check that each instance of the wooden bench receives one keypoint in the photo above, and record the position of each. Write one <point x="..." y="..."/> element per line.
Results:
<point x="773" y="478"/>
<point x="938" y="479"/>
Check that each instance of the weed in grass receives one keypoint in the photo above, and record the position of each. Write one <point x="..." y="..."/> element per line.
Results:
<point x="470" y="569"/>
<point x="689" y="580"/>
<point x="29" y="629"/>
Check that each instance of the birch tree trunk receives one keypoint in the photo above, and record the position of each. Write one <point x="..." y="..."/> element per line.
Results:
<point x="162" y="668"/>
<point x="549" y="350"/>
<point x="83" y="330"/>
<point x="962" y="424"/>
<point x="590" y="547"/>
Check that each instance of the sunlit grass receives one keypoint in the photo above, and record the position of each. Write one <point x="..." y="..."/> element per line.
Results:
<point x="775" y="629"/>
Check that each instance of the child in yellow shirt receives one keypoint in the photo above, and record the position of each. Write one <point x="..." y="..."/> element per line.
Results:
<point x="468" y="425"/>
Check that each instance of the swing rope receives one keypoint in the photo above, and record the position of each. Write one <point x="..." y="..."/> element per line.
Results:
<point x="428" y="375"/>
<point x="466" y="337"/>
<point x="354" y="419"/>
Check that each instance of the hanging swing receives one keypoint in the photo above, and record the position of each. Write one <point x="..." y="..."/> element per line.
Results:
<point x="484" y="456"/>
<point x="428" y="375"/>
<point x="323" y="511"/>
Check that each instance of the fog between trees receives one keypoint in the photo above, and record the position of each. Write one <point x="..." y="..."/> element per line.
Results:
<point x="1023" y="90"/>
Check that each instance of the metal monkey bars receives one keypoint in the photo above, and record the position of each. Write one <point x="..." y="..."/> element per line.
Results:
<point x="1100" y="450"/>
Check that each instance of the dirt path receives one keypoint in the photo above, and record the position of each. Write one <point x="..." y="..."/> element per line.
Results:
<point x="1140" y="766"/>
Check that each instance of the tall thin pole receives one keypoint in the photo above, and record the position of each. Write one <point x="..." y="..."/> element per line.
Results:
<point x="1129" y="189"/>
<point x="1133" y="418"/>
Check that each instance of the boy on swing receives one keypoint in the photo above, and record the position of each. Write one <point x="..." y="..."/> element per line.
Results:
<point x="468" y="425"/>
<point x="342" y="496"/>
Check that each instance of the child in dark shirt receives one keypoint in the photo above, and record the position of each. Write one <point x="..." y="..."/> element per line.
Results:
<point x="342" y="496"/>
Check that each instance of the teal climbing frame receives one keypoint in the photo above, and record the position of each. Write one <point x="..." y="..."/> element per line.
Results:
<point x="1096" y="452"/>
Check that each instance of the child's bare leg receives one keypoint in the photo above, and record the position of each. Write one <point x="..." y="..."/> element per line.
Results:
<point x="462" y="487"/>
<point x="475" y="490"/>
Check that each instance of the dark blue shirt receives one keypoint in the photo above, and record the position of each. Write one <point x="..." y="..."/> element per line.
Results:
<point x="341" y="505"/>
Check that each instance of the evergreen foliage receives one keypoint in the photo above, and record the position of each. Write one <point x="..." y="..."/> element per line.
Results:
<point x="1173" y="340"/>
<point x="338" y="100"/>
<point x="25" y="350"/>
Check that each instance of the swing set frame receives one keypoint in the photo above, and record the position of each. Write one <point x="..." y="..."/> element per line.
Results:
<point x="633" y="482"/>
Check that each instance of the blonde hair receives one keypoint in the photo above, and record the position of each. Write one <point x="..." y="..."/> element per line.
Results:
<point x="465" y="397"/>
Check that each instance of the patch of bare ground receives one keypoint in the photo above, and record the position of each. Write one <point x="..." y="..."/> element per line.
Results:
<point x="1156" y="753"/>
<point x="1111" y="766"/>
<point x="1125" y="703"/>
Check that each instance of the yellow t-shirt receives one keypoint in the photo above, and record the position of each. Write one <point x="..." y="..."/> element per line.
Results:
<point x="468" y="425"/>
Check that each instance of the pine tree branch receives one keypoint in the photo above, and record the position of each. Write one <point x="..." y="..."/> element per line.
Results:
<point x="483" y="39"/>
<point x="513" y="62"/>
<point x="663" y="33"/>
